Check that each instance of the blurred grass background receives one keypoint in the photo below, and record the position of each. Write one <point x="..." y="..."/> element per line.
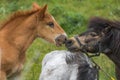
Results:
<point x="73" y="16"/>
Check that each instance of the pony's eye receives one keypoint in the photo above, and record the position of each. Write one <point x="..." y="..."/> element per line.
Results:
<point x="51" y="24"/>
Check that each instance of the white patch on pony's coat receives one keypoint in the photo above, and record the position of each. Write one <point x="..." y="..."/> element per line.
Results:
<point x="54" y="67"/>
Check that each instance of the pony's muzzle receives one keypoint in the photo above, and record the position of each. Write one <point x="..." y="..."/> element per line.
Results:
<point x="69" y="43"/>
<point x="72" y="45"/>
<point x="60" y="40"/>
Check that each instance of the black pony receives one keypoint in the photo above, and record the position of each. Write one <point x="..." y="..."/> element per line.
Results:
<point x="102" y="36"/>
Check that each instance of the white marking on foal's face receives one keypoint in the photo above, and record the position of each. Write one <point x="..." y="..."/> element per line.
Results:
<point x="53" y="18"/>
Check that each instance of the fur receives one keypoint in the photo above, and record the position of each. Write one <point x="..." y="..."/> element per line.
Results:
<point x="111" y="40"/>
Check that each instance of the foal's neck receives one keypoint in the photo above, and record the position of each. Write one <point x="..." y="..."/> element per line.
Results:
<point x="21" y="34"/>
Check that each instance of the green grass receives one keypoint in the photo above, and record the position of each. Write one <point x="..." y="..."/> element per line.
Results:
<point x="73" y="16"/>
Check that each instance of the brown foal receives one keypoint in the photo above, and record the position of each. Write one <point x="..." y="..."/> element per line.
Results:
<point x="17" y="33"/>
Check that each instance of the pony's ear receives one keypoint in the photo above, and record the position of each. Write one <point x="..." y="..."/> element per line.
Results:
<point x="35" y="6"/>
<point x="42" y="12"/>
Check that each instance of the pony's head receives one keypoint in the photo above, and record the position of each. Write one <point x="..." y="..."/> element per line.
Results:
<point x="47" y="27"/>
<point x="98" y="37"/>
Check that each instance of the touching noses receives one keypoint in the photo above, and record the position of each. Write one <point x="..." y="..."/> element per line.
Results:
<point x="60" y="40"/>
<point x="69" y="43"/>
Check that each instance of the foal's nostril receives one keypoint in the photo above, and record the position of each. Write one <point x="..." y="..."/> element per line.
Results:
<point x="57" y="39"/>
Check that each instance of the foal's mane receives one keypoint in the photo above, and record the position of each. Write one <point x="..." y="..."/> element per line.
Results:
<point x="15" y="15"/>
<point x="101" y="22"/>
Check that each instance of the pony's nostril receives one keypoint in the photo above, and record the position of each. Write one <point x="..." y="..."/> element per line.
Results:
<point x="87" y="41"/>
<point x="69" y="42"/>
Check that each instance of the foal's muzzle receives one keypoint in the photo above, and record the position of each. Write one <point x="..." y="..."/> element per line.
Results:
<point x="60" y="40"/>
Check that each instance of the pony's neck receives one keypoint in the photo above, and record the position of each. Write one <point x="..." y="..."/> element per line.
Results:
<point x="20" y="33"/>
<point x="115" y="47"/>
<point x="115" y="42"/>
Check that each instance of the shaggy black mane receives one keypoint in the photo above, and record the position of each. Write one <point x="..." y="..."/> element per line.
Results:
<point x="111" y="40"/>
<point x="97" y="22"/>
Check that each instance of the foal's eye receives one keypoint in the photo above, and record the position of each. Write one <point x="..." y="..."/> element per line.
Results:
<point x="51" y="24"/>
<point x="93" y="34"/>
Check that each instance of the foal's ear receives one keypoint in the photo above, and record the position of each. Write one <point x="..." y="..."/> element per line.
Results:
<point x="35" y="6"/>
<point x="42" y="12"/>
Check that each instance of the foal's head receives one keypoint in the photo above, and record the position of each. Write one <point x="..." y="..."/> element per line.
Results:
<point x="47" y="28"/>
